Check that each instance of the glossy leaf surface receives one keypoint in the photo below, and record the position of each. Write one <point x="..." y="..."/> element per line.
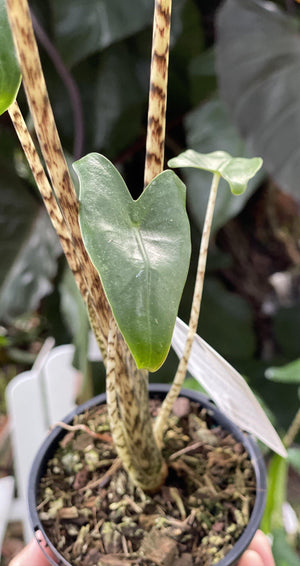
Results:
<point x="141" y="250"/>
<point x="235" y="170"/>
<point x="258" y="66"/>
<point x="10" y="76"/>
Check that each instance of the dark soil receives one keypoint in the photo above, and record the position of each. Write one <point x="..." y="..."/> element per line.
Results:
<point x="95" y="516"/>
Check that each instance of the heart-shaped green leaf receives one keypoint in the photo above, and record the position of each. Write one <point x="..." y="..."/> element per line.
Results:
<point x="235" y="170"/>
<point x="10" y="76"/>
<point x="141" y="250"/>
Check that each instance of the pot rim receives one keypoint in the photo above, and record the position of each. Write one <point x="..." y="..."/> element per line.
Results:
<point x="48" y="447"/>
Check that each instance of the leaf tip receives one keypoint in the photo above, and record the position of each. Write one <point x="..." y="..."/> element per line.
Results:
<point x="269" y="373"/>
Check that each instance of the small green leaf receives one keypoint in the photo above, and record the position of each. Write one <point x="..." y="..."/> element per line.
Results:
<point x="141" y="250"/>
<point x="237" y="171"/>
<point x="10" y="76"/>
<point x="290" y="373"/>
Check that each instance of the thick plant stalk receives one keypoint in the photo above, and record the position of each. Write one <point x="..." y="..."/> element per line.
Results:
<point x="158" y="90"/>
<point x="134" y="436"/>
<point x="167" y="405"/>
<point x="127" y="389"/>
<point x="128" y="397"/>
<point x="131" y="427"/>
<point x="38" y="100"/>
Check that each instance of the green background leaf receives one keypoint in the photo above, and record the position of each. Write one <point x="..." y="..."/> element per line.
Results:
<point x="82" y="27"/>
<point x="31" y="274"/>
<point x="141" y="250"/>
<point x="257" y="51"/>
<point x="29" y="247"/>
<point x="290" y="373"/>
<point x="10" y="77"/>
<point x="75" y="314"/>
<point x="283" y="553"/>
<point x="294" y="458"/>
<point x="119" y="97"/>
<point x="224" y="309"/>
<point x="286" y="329"/>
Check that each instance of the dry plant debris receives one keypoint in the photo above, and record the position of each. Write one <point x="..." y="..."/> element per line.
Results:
<point x="94" y="515"/>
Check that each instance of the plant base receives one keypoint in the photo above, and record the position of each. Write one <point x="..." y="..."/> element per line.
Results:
<point x="205" y="514"/>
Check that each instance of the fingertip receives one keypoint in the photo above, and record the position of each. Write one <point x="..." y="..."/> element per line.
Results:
<point x="261" y="545"/>
<point x="30" y="555"/>
<point x="250" y="558"/>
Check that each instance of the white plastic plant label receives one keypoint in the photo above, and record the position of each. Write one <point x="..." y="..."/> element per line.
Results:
<point x="227" y="388"/>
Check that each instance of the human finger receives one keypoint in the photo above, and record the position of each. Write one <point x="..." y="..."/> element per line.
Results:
<point x="31" y="555"/>
<point x="251" y="558"/>
<point x="261" y="545"/>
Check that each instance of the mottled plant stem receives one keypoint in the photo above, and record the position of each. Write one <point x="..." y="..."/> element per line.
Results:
<point x="130" y="421"/>
<point x="45" y="127"/>
<point x="292" y="431"/>
<point x="158" y="90"/>
<point x="127" y="389"/>
<point x="166" y="407"/>
<point x="49" y="199"/>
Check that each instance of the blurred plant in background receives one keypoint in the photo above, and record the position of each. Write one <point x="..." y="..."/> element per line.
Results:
<point x="96" y="61"/>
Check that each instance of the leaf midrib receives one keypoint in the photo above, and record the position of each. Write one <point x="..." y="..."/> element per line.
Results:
<point x="144" y="254"/>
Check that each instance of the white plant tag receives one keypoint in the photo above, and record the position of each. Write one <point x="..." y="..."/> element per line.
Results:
<point x="227" y="388"/>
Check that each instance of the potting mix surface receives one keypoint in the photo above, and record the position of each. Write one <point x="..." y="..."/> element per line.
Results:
<point x="94" y="515"/>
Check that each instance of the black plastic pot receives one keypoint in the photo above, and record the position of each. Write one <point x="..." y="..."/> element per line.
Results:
<point x="49" y="447"/>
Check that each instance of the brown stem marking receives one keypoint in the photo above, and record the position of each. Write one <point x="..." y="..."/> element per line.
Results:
<point x="130" y="420"/>
<point x="38" y="100"/>
<point x="173" y="393"/>
<point x="158" y="90"/>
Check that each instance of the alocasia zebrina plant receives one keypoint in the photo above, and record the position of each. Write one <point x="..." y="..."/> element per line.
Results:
<point x="130" y="258"/>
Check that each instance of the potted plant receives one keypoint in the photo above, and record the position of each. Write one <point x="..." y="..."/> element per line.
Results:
<point x="151" y="496"/>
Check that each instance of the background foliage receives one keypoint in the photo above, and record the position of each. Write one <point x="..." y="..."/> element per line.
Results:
<point x="95" y="55"/>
